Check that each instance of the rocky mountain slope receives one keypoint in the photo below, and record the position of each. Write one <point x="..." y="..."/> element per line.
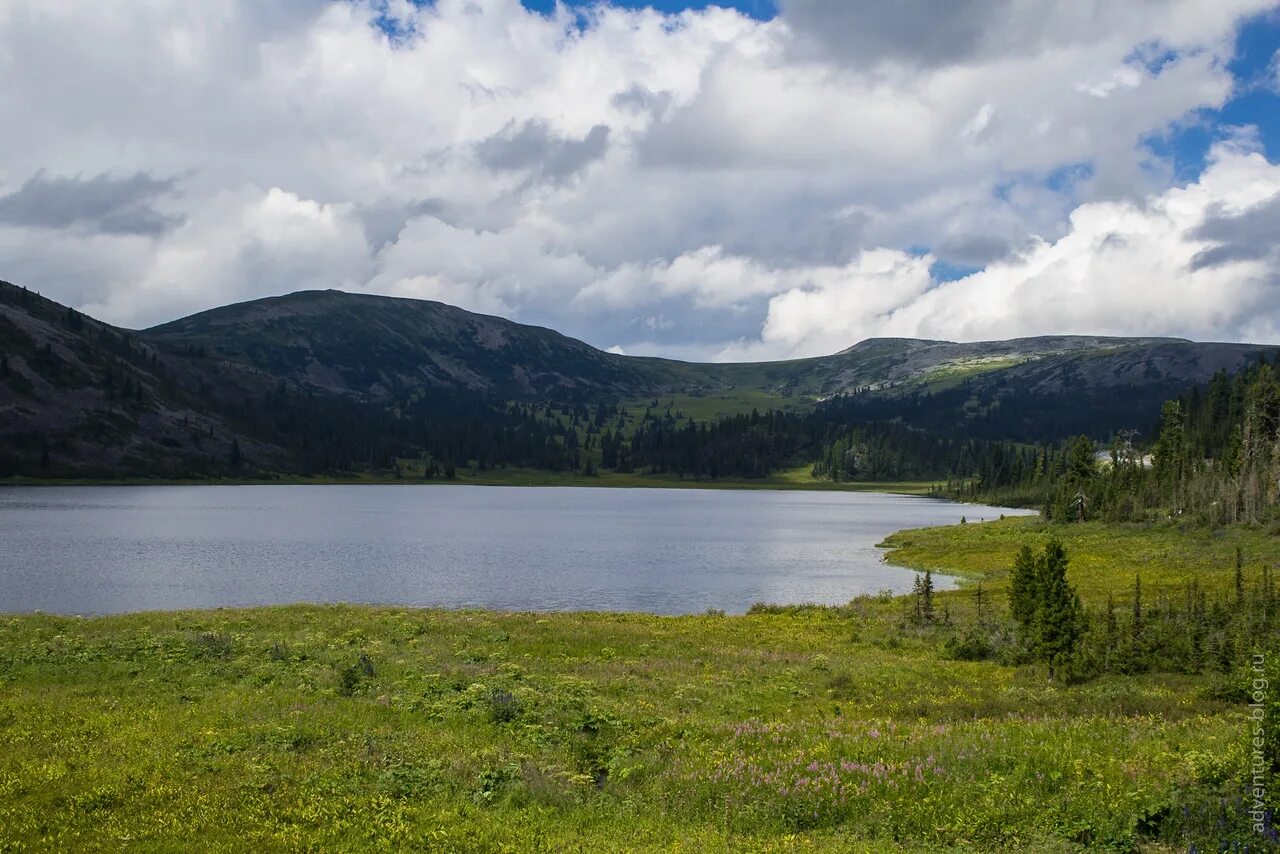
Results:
<point x="81" y="397"/>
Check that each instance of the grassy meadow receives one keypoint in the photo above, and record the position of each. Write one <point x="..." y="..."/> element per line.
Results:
<point x="786" y="729"/>
<point x="1105" y="558"/>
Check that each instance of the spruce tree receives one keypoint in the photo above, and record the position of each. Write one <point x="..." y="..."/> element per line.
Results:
<point x="1169" y="454"/>
<point x="1060" y="617"/>
<point x="917" y="587"/>
<point x="1111" y="630"/>
<point x="1023" y="592"/>
<point x="1082" y="465"/>
<point x="1239" y="575"/>
<point x="926" y="597"/>
<point x="1137" y="605"/>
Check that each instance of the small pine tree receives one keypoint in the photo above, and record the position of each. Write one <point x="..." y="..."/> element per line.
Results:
<point x="1023" y="593"/>
<point x="922" y="598"/>
<point x="1137" y="605"/>
<point x="1239" y="575"/>
<point x="926" y="597"/>
<point x="1111" y="636"/>
<point x="1060" y="617"/>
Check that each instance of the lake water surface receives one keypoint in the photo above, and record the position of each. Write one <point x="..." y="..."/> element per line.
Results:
<point x="100" y="549"/>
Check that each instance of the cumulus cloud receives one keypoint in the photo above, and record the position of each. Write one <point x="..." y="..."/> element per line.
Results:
<point x="102" y="203"/>
<point x="487" y="271"/>
<point x="240" y="244"/>
<point x="1242" y="235"/>
<point x="920" y="33"/>
<point x="533" y="148"/>
<point x="867" y="32"/>
<point x="1198" y="261"/>
<point x="699" y="184"/>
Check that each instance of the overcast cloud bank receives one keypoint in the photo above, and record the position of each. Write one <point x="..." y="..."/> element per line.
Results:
<point x="702" y="185"/>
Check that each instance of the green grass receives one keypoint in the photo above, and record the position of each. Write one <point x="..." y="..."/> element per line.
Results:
<point x="951" y="374"/>
<point x="787" y="729"/>
<point x="714" y="405"/>
<point x="802" y="730"/>
<point x="1104" y="558"/>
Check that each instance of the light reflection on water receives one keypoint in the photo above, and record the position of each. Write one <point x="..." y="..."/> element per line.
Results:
<point x="670" y="551"/>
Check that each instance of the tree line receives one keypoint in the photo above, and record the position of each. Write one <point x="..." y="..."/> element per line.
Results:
<point x="1214" y="458"/>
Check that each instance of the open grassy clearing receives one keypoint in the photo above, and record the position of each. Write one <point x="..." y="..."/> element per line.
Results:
<point x="713" y="405"/>
<point x="953" y="373"/>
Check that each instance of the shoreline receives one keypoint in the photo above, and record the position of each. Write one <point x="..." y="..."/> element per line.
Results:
<point x="592" y="730"/>
<point x="516" y="478"/>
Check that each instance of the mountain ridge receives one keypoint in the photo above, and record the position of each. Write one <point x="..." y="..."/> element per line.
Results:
<point x="66" y="375"/>
<point x="876" y="361"/>
<point x="302" y="297"/>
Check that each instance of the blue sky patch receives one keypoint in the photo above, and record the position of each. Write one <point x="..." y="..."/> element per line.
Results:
<point x="760" y="9"/>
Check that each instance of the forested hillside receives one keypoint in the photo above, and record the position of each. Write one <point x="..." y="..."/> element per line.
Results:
<point x="82" y="398"/>
<point x="329" y="383"/>
<point x="1215" y="458"/>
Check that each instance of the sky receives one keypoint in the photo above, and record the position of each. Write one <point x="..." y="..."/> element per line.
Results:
<point x="753" y="181"/>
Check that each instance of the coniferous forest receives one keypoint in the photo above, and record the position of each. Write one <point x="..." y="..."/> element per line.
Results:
<point x="1214" y="457"/>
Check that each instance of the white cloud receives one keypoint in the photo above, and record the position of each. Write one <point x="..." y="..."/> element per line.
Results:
<point x="1123" y="268"/>
<point x="243" y="244"/>
<point x="925" y="34"/>
<point x="747" y="182"/>
<point x="487" y="271"/>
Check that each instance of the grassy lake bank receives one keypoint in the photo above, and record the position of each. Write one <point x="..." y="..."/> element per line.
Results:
<point x="836" y="729"/>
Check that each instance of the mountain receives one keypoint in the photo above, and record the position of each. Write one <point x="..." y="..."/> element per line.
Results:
<point x="384" y="346"/>
<point x="82" y="397"/>
<point x="269" y="381"/>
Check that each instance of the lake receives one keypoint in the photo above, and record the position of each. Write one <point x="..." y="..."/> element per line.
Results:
<point x="103" y="549"/>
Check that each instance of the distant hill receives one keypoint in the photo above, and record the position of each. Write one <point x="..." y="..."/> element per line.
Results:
<point x="89" y="398"/>
<point x="371" y="345"/>
<point x="374" y="345"/>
